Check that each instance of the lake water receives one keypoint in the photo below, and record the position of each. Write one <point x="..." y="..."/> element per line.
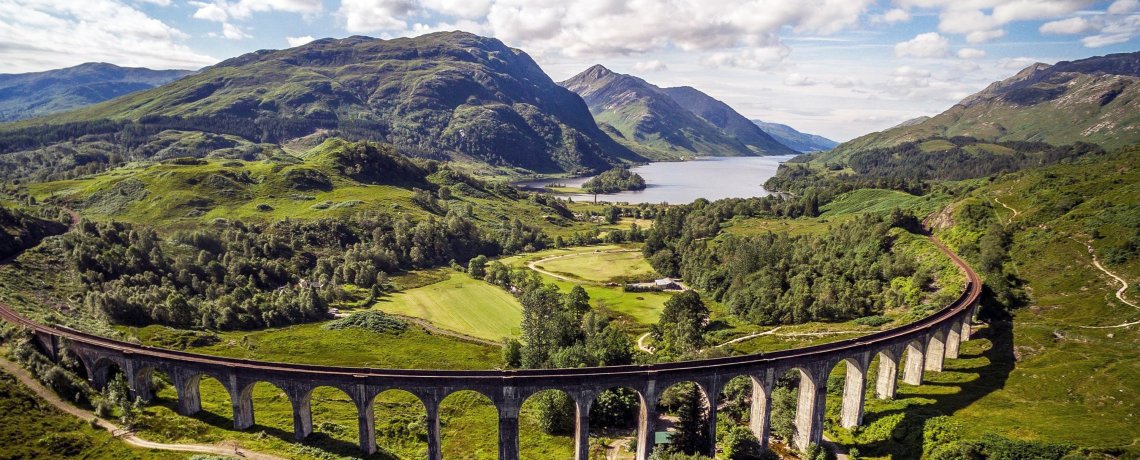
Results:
<point x="680" y="182"/>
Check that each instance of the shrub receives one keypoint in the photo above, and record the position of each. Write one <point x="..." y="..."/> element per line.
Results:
<point x="376" y="321"/>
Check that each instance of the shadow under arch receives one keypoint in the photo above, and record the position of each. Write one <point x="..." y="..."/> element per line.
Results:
<point x="401" y="423"/>
<point x="469" y="426"/>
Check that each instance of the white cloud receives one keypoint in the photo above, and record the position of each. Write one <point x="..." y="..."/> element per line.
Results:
<point x="223" y="10"/>
<point x="971" y="53"/>
<point x="1073" y="25"/>
<point x="157" y="2"/>
<point x="209" y="12"/>
<point x="39" y="35"/>
<point x="927" y="45"/>
<point x="233" y="32"/>
<point x="298" y="41"/>
<point x="796" y="79"/>
<point x="752" y="58"/>
<point x="983" y="20"/>
<point x="896" y="15"/>
<point x="1118" y="29"/>
<point x="650" y="66"/>
<point x="1123" y="6"/>
<point x="591" y="28"/>
<point x="375" y="15"/>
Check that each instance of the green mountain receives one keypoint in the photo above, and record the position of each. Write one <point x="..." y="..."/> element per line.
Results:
<point x="796" y="140"/>
<point x="728" y="120"/>
<point x="649" y="121"/>
<point x="448" y="95"/>
<point x="1090" y="100"/>
<point x="28" y="95"/>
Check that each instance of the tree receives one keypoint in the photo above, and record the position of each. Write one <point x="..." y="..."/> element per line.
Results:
<point x="690" y="436"/>
<point x="577" y="302"/>
<point x="681" y="327"/>
<point x="477" y="266"/>
<point x="556" y="412"/>
<point x="741" y="444"/>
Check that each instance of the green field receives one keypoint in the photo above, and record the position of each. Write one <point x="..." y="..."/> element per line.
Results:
<point x="600" y="267"/>
<point x="311" y="344"/>
<point x="461" y="304"/>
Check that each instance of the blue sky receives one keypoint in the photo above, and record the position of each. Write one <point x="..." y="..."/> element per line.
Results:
<point x="840" y="68"/>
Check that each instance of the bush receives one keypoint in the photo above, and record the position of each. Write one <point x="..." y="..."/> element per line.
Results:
<point x="872" y="321"/>
<point x="376" y="321"/>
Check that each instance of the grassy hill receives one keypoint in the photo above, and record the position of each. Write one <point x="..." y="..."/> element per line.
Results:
<point x="447" y="95"/>
<point x="1089" y="100"/>
<point x="35" y="94"/>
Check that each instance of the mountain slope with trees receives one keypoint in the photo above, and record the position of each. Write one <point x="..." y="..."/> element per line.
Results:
<point x="1093" y="100"/>
<point x="447" y="95"/>
<point x="34" y="94"/>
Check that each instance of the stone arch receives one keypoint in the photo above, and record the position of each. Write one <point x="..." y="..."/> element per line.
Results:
<point x="400" y="411"/>
<point x="462" y="413"/>
<point x="801" y="389"/>
<point x="210" y="396"/>
<point x="103" y="369"/>
<point x="555" y="406"/>
<point x="674" y="393"/>
<point x="745" y="399"/>
<point x="620" y="412"/>
<point x="331" y="414"/>
<point x="269" y="397"/>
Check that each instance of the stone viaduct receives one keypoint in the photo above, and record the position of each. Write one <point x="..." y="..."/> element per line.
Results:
<point x="922" y="346"/>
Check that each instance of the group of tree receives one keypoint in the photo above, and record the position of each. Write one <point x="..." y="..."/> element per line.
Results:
<point x="775" y="278"/>
<point x="909" y="168"/>
<point x="21" y="229"/>
<point x="233" y="275"/>
<point x="613" y="181"/>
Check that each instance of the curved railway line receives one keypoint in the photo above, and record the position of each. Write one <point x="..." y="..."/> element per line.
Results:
<point x="924" y="344"/>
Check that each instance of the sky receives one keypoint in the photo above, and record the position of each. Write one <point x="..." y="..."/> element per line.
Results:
<point x="838" y="68"/>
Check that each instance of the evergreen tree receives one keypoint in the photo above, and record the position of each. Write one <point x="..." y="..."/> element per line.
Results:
<point x="690" y="436"/>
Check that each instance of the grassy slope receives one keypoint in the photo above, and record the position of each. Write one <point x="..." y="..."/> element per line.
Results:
<point x="34" y="429"/>
<point x="1042" y="376"/>
<point x="461" y="304"/>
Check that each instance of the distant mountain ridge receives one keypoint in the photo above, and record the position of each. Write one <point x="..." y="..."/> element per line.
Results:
<point x="670" y="122"/>
<point x="27" y="95"/>
<point x="796" y="140"/>
<point x="446" y="95"/>
<point x="1093" y="100"/>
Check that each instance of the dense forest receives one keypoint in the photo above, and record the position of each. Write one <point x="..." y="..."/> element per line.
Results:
<point x="238" y="276"/>
<point x="909" y="168"/>
<point x="613" y="181"/>
<point x="850" y="272"/>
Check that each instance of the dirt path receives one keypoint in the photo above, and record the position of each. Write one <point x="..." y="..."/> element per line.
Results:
<point x="1015" y="212"/>
<point x="27" y="380"/>
<point x="641" y="343"/>
<point x="1119" y="292"/>
<point x="533" y="265"/>
<point x="750" y="336"/>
